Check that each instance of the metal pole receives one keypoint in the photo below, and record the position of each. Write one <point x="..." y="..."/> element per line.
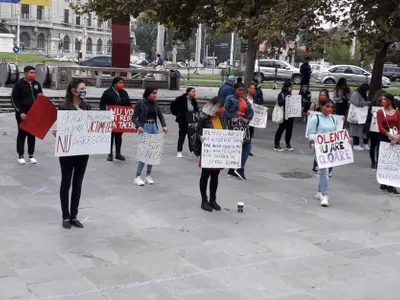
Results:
<point x="232" y="48"/>
<point x="18" y="13"/>
<point x="198" y="47"/>
<point x="83" y="42"/>
<point x="160" y="39"/>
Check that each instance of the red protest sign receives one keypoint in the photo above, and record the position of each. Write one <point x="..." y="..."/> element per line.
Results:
<point x="40" y="117"/>
<point x="122" y="118"/>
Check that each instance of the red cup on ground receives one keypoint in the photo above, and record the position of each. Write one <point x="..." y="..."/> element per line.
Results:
<point x="240" y="207"/>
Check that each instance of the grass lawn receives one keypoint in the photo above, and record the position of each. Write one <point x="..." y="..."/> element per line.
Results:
<point x="33" y="59"/>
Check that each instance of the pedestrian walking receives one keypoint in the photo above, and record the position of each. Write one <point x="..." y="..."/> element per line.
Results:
<point x="73" y="168"/>
<point x="388" y="123"/>
<point x="210" y="118"/>
<point x="359" y="99"/>
<point x="226" y="89"/>
<point x="341" y="97"/>
<point x="186" y="109"/>
<point x="145" y="117"/>
<point x="286" y="125"/>
<point x="115" y="95"/>
<point x="239" y="113"/>
<point x="323" y="122"/>
<point x="24" y="94"/>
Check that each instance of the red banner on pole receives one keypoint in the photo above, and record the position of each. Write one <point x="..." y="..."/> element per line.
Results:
<point x="40" y="117"/>
<point x="123" y="118"/>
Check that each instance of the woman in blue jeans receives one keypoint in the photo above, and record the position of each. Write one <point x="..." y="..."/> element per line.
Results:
<point x="239" y="112"/>
<point x="145" y="116"/>
<point x="323" y="122"/>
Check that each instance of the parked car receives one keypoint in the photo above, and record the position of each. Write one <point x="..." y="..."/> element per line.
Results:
<point x="393" y="73"/>
<point x="97" y="61"/>
<point x="355" y="75"/>
<point x="285" y="71"/>
<point x="317" y="69"/>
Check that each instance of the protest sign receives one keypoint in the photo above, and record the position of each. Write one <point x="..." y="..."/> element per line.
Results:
<point x="221" y="149"/>
<point x="81" y="132"/>
<point x="374" y="121"/>
<point x="339" y="120"/>
<point x="260" y="116"/>
<point x="150" y="148"/>
<point x="122" y="118"/>
<point x="333" y="149"/>
<point x="293" y="107"/>
<point x="243" y="127"/>
<point x="357" y="115"/>
<point x="40" y="117"/>
<point x="388" y="172"/>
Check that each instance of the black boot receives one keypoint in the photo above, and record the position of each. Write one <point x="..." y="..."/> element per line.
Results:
<point x="120" y="157"/>
<point x="110" y="157"/>
<point x="205" y="205"/>
<point x="213" y="204"/>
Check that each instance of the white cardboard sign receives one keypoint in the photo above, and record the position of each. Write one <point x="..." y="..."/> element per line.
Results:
<point x="260" y="117"/>
<point x="388" y="172"/>
<point x="293" y="107"/>
<point x="150" y="148"/>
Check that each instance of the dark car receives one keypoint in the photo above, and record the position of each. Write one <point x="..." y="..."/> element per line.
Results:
<point x="393" y="73"/>
<point x="97" y="61"/>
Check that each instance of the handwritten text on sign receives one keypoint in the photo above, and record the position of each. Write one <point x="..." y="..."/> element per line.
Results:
<point x="150" y="148"/>
<point x="389" y="165"/>
<point x="221" y="149"/>
<point x="122" y="118"/>
<point x="293" y="107"/>
<point x="333" y="149"/>
<point x="260" y="116"/>
<point x="82" y="132"/>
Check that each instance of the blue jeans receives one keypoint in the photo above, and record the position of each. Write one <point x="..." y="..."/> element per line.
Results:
<point x="323" y="181"/>
<point x="246" y="150"/>
<point x="152" y="129"/>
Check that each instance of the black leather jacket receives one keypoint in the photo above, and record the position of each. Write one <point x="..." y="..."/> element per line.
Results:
<point x="139" y="117"/>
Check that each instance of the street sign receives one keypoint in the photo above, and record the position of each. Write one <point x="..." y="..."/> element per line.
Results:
<point x="16" y="49"/>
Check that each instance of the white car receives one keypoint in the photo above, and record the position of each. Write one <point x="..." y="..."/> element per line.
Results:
<point x="354" y="75"/>
<point x="284" y="70"/>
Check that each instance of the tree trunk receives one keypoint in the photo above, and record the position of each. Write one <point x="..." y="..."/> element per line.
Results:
<point x="376" y="80"/>
<point x="250" y="59"/>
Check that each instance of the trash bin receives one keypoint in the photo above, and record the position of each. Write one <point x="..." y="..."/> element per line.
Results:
<point x="9" y="74"/>
<point x="174" y="80"/>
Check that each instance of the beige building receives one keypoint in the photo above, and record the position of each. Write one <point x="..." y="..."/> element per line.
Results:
<point x="57" y="30"/>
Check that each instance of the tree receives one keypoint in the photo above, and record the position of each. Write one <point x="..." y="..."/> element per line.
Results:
<point x="146" y="37"/>
<point x="273" y="21"/>
<point x="377" y="26"/>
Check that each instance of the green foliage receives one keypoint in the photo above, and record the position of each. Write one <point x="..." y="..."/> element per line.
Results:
<point x="146" y="37"/>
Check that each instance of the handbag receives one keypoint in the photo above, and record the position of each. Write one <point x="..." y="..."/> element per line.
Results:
<point x="392" y="131"/>
<point x="277" y="114"/>
<point x="352" y="115"/>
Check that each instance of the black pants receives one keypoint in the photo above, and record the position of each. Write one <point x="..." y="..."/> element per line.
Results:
<point x="356" y="140"/>
<point x="342" y="108"/>
<point x="73" y="169"/>
<point x="22" y="135"/>
<point x="205" y="174"/>
<point x="183" y="132"/>
<point x="287" y="126"/>
<point x="117" y="137"/>
<point x="251" y="129"/>
<point x="373" y="152"/>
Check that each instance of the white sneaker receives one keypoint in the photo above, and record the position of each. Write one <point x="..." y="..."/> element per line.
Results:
<point x="148" y="180"/>
<point x="367" y="148"/>
<point x="179" y="155"/>
<point x="191" y="154"/>
<point x="358" y="148"/>
<point x="138" y="181"/>
<point x="32" y="160"/>
<point x="318" y="196"/>
<point x="324" y="201"/>
<point x="21" y="161"/>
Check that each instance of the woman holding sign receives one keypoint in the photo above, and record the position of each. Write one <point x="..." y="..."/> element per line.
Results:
<point x="286" y="125"/>
<point x="388" y="123"/>
<point x="359" y="99"/>
<point x="115" y="95"/>
<point x="239" y="112"/>
<point x="323" y="123"/>
<point x="145" y="117"/>
<point x="73" y="168"/>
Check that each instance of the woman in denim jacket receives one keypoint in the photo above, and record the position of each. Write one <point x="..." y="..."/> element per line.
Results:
<point x="238" y="112"/>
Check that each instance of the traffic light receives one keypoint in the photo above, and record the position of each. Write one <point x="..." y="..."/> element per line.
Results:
<point x="212" y="46"/>
<point x="244" y="47"/>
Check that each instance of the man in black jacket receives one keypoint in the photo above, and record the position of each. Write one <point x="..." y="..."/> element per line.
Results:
<point x="24" y="93"/>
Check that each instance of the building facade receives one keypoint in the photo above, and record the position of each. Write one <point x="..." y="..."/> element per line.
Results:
<point x="58" y="31"/>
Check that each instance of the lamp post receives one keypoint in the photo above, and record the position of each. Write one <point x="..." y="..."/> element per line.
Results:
<point x="18" y="14"/>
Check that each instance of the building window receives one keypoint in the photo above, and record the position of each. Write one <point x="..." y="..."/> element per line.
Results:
<point x="77" y="45"/>
<point x="41" y="42"/>
<point x="89" y="20"/>
<point x="66" y="44"/>
<point x="66" y="16"/>
<point x="78" y="20"/>
<point x="99" y="23"/>
<point x="99" y="46"/>
<point x="25" y="11"/>
<point x="25" y="40"/>
<point x="109" y="45"/>
<point x="89" y="45"/>
<point x="40" y="13"/>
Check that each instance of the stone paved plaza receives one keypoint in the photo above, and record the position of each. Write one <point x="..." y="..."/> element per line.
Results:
<point x="142" y="243"/>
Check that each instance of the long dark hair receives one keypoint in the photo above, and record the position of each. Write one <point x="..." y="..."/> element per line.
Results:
<point x="286" y="87"/>
<point x="363" y="89"/>
<point x="148" y="91"/>
<point x="342" y="82"/>
<point x="391" y="99"/>
<point x="69" y="97"/>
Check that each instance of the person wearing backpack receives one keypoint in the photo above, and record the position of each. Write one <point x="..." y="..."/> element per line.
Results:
<point x="323" y="122"/>
<point x="210" y="118"/>
<point x="185" y="109"/>
<point x="286" y="125"/>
